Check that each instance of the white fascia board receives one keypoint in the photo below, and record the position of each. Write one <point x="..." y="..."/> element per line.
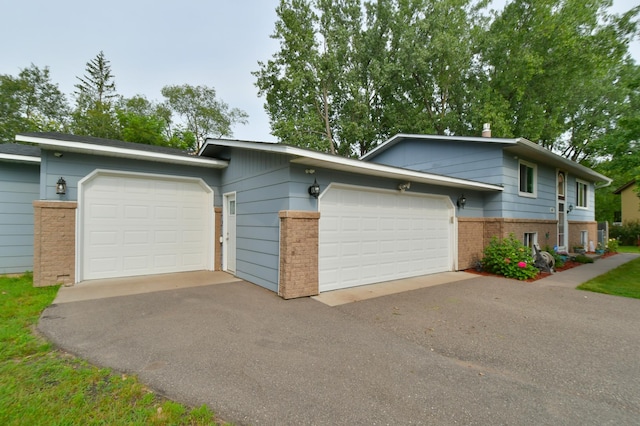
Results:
<point x="19" y="158"/>
<point x="110" y="151"/>
<point x="571" y="166"/>
<point x="400" y="136"/>
<point x="333" y="162"/>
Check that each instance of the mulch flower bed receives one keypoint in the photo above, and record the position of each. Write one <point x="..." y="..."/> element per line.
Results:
<point x="567" y="265"/>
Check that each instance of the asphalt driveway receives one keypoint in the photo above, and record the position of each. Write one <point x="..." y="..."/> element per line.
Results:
<point x="479" y="351"/>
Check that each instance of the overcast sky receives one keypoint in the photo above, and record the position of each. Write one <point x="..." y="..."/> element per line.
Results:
<point x="154" y="43"/>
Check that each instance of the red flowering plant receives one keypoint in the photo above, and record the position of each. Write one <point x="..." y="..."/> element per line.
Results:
<point x="509" y="257"/>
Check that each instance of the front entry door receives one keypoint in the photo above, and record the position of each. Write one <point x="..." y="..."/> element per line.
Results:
<point x="229" y="233"/>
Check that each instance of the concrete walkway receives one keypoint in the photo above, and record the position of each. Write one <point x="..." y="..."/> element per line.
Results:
<point x="481" y="350"/>
<point x="115" y="287"/>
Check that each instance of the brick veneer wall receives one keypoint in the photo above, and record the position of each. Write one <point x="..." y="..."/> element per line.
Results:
<point x="474" y="234"/>
<point x="575" y="228"/>
<point x="298" y="254"/>
<point x="54" y="245"/>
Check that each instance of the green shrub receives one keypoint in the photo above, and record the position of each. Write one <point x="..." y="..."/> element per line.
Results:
<point x="558" y="260"/>
<point x="627" y="234"/>
<point x="509" y="257"/>
<point x="612" y="245"/>
<point x="581" y="258"/>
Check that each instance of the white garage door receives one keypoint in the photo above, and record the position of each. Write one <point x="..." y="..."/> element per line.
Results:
<point x="369" y="236"/>
<point x="132" y="224"/>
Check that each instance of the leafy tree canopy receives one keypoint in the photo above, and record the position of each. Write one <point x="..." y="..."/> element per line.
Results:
<point x="351" y="73"/>
<point x="31" y="102"/>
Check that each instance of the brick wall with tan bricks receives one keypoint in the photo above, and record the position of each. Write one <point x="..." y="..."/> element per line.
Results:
<point x="575" y="230"/>
<point x="298" y="254"/>
<point x="474" y="234"/>
<point x="54" y="245"/>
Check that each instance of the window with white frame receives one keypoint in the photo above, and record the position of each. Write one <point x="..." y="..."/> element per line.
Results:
<point x="527" y="179"/>
<point x="582" y="194"/>
<point x="530" y="238"/>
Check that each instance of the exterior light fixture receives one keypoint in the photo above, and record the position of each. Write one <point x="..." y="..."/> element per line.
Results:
<point x="314" y="190"/>
<point x="404" y="186"/>
<point x="61" y="187"/>
<point x="570" y="208"/>
<point x="462" y="200"/>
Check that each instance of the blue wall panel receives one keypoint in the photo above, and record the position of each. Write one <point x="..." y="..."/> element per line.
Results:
<point x="73" y="167"/>
<point x="19" y="187"/>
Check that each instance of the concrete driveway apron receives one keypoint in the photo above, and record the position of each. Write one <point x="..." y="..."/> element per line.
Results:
<point x="476" y="351"/>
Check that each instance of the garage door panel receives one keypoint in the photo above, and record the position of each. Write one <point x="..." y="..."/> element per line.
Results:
<point x="381" y="235"/>
<point x="139" y="225"/>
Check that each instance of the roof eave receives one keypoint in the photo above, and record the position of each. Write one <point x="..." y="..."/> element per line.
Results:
<point x="20" y="158"/>
<point x="525" y="147"/>
<point x="332" y="162"/>
<point x="401" y="136"/>
<point x="107" y="151"/>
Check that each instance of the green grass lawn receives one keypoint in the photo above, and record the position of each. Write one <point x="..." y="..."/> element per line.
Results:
<point x="622" y="281"/>
<point x="40" y="385"/>
<point x="628" y="249"/>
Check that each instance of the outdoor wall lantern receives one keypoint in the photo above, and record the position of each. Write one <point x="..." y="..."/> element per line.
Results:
<point x="314" y="190"/>
<point x="404" y="186"/>
<point x="462" y="200"/>
<point x="61" y="186"/>
<point x="570" y="208"/>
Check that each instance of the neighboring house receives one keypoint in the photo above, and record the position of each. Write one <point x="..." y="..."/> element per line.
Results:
<point x="19" y="186"/>
<point x="250" y="208"/>
<point x="629" y="201"/>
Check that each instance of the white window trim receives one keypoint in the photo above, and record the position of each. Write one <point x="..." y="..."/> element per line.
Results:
<point x="586" y="184"/>
<point x="533" y="194"/>
<point x="534" y="241"/>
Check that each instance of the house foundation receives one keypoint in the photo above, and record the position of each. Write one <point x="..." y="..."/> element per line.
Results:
<point x="474" y="234"/>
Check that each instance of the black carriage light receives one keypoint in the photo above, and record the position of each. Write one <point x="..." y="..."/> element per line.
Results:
<point x="61" y="186"/>
<point x="314" y="190"/>
<point x="570" y="208"/>
<point x="462" y="200"/>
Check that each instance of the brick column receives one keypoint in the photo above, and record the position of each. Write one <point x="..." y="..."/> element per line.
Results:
<point x="54" y="245"/>
<point x="471" y="241"/>
<point x="298" y="254"/>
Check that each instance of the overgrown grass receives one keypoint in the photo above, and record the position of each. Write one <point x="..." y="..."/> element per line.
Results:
<point x="43" y="386"/>
<point x="622" y="281"/>
<point x="628" y="249"/>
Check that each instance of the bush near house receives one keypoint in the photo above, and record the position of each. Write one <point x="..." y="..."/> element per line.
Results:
<point x="627" y="234"/>
<point x="509" y="257"/>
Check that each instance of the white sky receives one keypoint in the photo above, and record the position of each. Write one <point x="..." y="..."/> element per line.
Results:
<point x="151" y="44"/>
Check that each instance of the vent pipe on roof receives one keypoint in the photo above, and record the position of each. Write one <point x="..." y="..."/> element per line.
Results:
<point x="486" y="130"/>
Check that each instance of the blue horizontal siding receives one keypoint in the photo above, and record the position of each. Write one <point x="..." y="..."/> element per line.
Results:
<point x="19" y="187"/>
<point x="261" y="182"/>
<point x="73" y="167"/>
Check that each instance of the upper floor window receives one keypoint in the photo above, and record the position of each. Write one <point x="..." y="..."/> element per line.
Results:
<point x="582" y="192"/>
<point x="561" y="185"/>
<point x="527" y="179"/>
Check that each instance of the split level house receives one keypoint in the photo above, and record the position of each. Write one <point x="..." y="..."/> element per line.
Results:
<point x="295" y="221"/>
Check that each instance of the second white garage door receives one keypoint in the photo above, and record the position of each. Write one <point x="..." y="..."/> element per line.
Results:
<point x="368" y="236"/>
<point x="131" y="224"/>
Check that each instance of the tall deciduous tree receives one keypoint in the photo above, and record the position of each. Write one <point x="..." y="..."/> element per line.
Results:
<point x="350" y="73"/>
<point x="553" y="68"/>
<point x="31" y="102"/>
<point x="204" y="114"/>
<point x="96" y="95"/>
